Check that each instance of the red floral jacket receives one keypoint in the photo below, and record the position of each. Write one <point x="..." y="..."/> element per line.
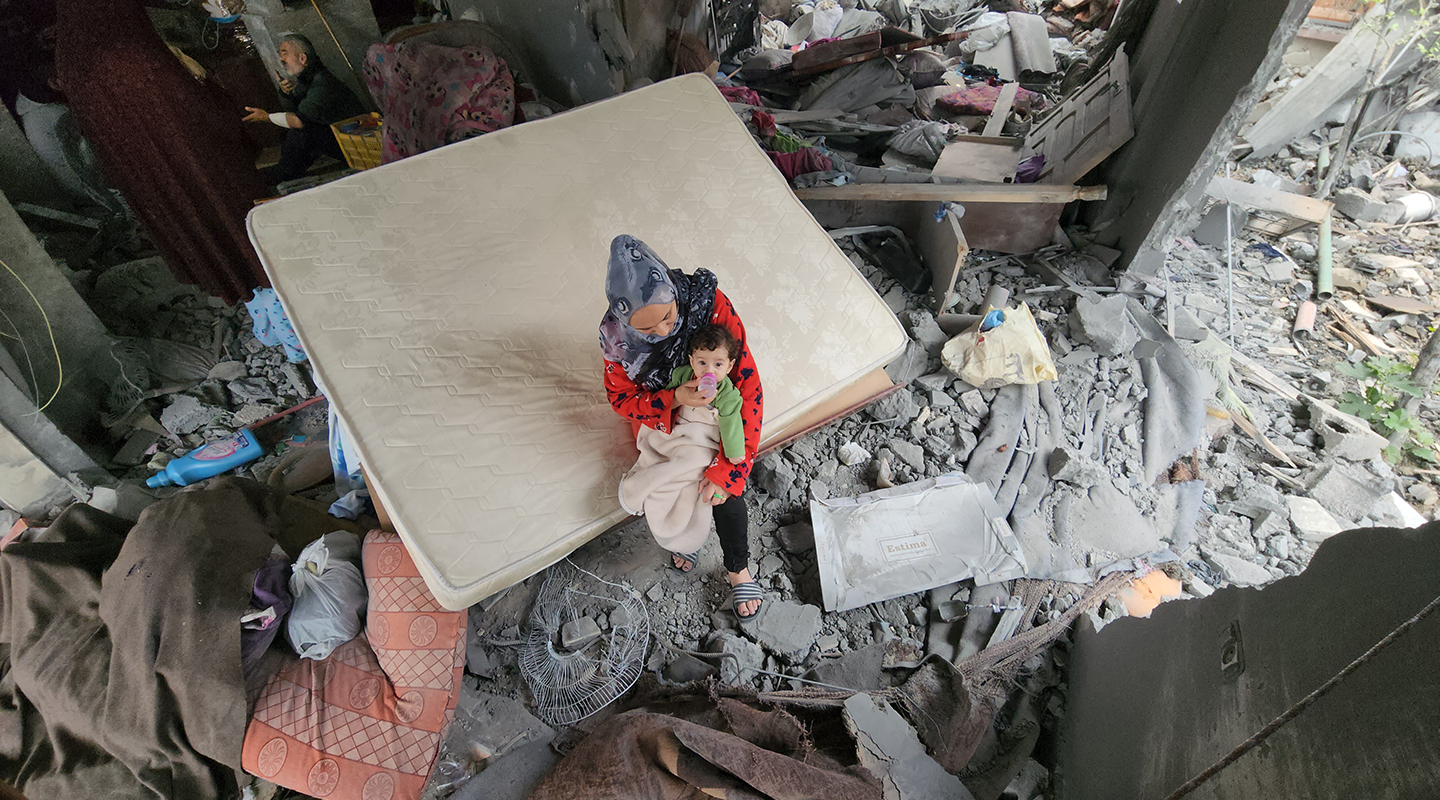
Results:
<point x="657" y="409"/>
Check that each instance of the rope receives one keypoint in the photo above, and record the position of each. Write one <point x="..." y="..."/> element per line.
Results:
<point x="1295" y="710"/>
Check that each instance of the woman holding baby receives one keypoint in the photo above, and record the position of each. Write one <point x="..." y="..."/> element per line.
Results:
<point x="678" y="367"/>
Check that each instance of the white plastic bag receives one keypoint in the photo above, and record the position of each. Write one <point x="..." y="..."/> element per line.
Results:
<point x="985" y="32"/>
<point x="329" y="593"/>
<point x="827" y="16"/>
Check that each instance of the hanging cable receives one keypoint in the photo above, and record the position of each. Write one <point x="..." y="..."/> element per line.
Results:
<point x="59" y="367"/>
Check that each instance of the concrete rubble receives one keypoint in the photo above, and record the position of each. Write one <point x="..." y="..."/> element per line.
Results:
<point x="1135" y="458"/>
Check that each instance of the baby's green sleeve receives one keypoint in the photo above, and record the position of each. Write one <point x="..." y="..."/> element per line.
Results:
<point x="680" y="375"/>
<point x="732" y="433"/>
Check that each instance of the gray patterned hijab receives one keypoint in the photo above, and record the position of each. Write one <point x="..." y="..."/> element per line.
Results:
<point x="637" y="278"/>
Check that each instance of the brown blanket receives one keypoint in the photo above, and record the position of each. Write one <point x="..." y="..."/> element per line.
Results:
<point x="123" y="671"/>
<point x="730" y="751"/>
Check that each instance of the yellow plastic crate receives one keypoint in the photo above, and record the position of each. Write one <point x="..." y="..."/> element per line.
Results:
<point x="359" y="139"/>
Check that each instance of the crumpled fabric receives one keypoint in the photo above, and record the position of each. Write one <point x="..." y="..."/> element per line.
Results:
<point x="270" y="601"/>
<point x="432" y="96"/>
<point x="923" y="140"/>
<point x="764" y="123"/>
<point x="741" y="94"/>
<point x="980" y="99"/>
<point x="800" y="162"/>
<point x="271" y="325"/>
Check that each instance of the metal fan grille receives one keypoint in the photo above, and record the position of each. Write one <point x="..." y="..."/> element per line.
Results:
<point x="570" y="686"/>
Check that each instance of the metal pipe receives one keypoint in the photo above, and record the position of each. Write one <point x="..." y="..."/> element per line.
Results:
<point x="956" y="324"/>
<point x="1324" y="284"/>
<point x="1304" y="326"/>
<point x="1229" y="266"/>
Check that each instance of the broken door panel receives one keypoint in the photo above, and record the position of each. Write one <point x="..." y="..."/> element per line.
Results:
<point x="1087" y="127"/>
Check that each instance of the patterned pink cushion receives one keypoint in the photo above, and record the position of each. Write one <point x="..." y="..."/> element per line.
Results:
<point x="367" y="722"/>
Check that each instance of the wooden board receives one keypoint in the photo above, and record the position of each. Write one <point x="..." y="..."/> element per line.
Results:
<point x="978" y="162"/>
<point x="1001" y="112"/>
<point x="832" y="51"/>
<point x="1261" y="198"/>
<point x="954" y="192"/>
<point x="943" y="246"/>
<point x="1010" y="227"/>
<point x="1087" y="127"/>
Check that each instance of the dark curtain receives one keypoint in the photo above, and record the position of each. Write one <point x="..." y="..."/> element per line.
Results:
<point x="172" y="145"/>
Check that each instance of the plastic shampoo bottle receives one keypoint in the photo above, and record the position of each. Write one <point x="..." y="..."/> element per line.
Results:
<point x="212" y="459"/>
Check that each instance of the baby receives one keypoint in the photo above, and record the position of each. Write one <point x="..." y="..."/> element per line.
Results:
<point x="664" y="485"/>
<point x="713" y="351"/>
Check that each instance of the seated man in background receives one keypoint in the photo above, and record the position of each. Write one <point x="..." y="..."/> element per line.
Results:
<point x="313" y="99"/>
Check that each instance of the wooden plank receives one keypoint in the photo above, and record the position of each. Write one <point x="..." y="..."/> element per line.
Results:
<point x="1254" y="433"/>
<point x="1087" y="127"/>
<point x="1010" y="227"/>
<point x="832" y="51"/>
<point x="1262" y="198"/>
<point x="1001" y="111"/>
<point x="954" y="193"/>
<point x="977" y="163"/>
<point x="1008" y="141"/>
<point x="1257" y="374"/>
<point x="944" y="38"/>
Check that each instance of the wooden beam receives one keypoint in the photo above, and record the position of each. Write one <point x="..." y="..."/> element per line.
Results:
<point x="955" y="193"/>
<point x="1001" y="111"/>
<point x="1274" y="201"/>
<point x="944" y="38"/>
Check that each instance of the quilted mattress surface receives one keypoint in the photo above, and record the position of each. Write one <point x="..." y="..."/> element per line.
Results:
<point x="450" y="303"/>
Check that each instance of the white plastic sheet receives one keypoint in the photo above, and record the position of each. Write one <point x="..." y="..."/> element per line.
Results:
<point x="899" y="541"/>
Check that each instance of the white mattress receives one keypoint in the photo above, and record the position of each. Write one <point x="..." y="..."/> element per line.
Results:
<point x="450" y="304"/>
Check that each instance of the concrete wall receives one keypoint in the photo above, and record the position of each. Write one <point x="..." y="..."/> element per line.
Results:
<point x="1150" y="706"/>
<point x="1197" y="69"/>
<point x="82" y="342"/>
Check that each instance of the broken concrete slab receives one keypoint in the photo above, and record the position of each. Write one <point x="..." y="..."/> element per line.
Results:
<point x="775" y="475"/>
<point x="1066" y="464"/>
<point x="1310" y="520"/>
<point x="685" y="668"/>
<point x="745" y="657"/>
<point x="577" y="633"/>
<point x="891" y="750"/>
<point x="1393" y="510"/>
<point x="1187" y="327"/>
<point x="187" y="415"/>
<point x="859" y="669"/>
<point x="909" y="452"/>
<point x="1106" y="520"/>
<point x="796" y="539"/>
<point x="1361" y="206"/>
<point x="1343" y="434"/>
<point x="935" y="381"/>
<point x="1349" y="491"/>
<point x="923" y="328"/>
<point x="1239" y="571"/>
<point x="786" y="629"/>
<point x="1104" y="324"/>
<point x="910" y="365"/>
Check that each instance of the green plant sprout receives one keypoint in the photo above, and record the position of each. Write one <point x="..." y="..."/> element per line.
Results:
<point x="1384" y="384"/>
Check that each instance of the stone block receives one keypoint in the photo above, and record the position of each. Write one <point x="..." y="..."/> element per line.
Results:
<point x="1104" y="324"/>
<point x="1345" y="435"/>
<point x="1310" y="520"/>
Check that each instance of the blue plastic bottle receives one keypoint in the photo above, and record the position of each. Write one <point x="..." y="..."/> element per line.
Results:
<point x="212" y="459"/>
